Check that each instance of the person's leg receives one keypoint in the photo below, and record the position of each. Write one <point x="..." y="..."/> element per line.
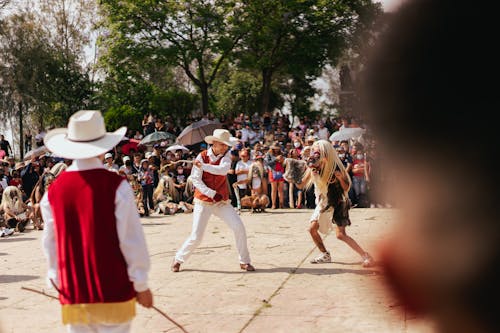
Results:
<point x="281" y="194"/>
<point x="342" y="235"/>
<point x="201" y="214"/>
<point x="100" y="328"/>
<point x="291" y="197"/>
<point x="300" y="194"/>
<point x="313" y="230"/>
<point x="233" y="220"/>
<point x="150" y="197"/>
<point x="274" y="193"/>
<point x="114" y="328"/>
<point x="145" y="200"/>
<point x="325" y="255"/>
<point x="81" y="329"/>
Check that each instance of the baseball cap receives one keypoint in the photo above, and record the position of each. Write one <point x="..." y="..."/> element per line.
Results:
<point x="107" y="155"/>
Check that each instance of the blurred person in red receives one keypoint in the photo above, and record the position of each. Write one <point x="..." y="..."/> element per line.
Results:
<point x="430" y="71"/>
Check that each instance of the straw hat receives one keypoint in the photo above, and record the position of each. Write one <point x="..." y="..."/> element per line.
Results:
<point x="85" y="136"/>
<point x="19" y="165"/>
<point x="221" y="135"/>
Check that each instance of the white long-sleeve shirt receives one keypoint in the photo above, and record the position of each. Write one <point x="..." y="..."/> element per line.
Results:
<point x="128" y="225"/>
<point x="221" y="169"/>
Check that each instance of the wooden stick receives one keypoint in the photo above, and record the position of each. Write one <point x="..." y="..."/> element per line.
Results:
<point x="166" y="316"/>
<point x="41" y="292"/>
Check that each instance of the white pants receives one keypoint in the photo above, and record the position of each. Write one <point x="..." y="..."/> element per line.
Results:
<point x="100" y="328"/>
<point x="201" y="214"/>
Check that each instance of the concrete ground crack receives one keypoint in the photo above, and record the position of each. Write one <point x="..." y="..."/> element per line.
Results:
<point x="267" y="302"/>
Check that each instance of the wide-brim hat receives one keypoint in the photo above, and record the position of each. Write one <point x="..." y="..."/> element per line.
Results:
<point x="85" y="136"/>
<point x="221" y="135"/>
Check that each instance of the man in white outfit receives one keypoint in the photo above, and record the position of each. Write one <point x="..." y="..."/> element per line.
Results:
<point x="209" y="177"/>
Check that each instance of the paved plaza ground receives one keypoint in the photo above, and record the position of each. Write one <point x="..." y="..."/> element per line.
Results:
<point x="212" y="294"/>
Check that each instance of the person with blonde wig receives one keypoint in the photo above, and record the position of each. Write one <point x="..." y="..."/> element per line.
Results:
<point x="14" y="209"/>
<point x="331" y="184"/>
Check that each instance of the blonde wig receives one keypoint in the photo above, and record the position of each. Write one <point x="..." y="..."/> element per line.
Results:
<point x="189" y="189"/>
<point x="329" y="163"/>
<point x="15" y="204"/>
<point x="165" y="190"/>
<point x="255" y="168"/>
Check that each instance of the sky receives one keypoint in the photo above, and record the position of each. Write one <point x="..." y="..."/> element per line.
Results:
<point x="390" y="5"/>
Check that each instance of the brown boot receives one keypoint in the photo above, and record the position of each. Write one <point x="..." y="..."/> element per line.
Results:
<point x="247" y="267"/>
<point x="176" y="266"/>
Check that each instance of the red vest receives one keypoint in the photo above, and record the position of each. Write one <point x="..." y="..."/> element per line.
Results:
<point x="217" y="183"/>
<point x="91" y="266"/>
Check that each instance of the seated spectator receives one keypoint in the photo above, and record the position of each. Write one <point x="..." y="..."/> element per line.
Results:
<point x="36" y="196"/>
<point x="14" y="209"/>
<point x="138" y="195"/>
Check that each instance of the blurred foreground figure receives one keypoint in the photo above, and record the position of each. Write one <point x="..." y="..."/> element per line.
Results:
<point x="428" y="92"/>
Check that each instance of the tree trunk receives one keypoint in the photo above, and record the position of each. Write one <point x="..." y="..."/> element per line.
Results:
<point x="21" y="130"/>
<point x="204" y="98"/>
<point x="267" y="75"/>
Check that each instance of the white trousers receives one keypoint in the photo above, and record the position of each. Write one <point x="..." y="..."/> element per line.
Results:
<point x="100" y="328"/>
<point x="201" y="214"/>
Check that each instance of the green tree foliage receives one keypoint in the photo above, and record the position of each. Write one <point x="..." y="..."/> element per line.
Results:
<point x="118" y="116"/>
<point x="174" y="102"/>
<point x="296" y="38"/>
<point x="196" y="35"/>
<point x="239" y="93"/>
<point x="43" y="81"/>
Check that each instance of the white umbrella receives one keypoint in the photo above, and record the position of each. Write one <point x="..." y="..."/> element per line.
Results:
<point x="175" y="148"/>
<point x="36" y="152"/>
<point x="347" y="133"/>
<point x="197" y="131"/>
<point x="156" y="137"/>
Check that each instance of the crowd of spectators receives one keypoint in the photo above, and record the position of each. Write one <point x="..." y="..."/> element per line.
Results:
<point x="160" y="176"/>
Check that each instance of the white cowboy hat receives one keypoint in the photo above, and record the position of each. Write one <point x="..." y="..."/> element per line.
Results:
<point x="221" y="135"/>
<point x="85" y="136"/>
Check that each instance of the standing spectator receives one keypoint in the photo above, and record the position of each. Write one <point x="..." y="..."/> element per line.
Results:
<point x="30" y="174"/>
<point x="231" y="176"/>
<point x="136" y="164"/>
<point x="323" y="133"/>
<point x="146" y="179"/>
<point x="274" y="160"/>
<point x="5" y="145"/>
<point x="242" y="168"/>
<point x="93" y="240"/>
<point x="359" y="176"/>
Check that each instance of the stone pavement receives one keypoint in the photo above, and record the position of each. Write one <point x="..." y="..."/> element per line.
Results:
<point x="212" y="294"/>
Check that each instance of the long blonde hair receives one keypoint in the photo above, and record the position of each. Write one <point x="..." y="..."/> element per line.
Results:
<point x="331" y="162"/>
<point x="15" y="204"/>
<point x="165" y="189"/>
<point x="189" y="189"/>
